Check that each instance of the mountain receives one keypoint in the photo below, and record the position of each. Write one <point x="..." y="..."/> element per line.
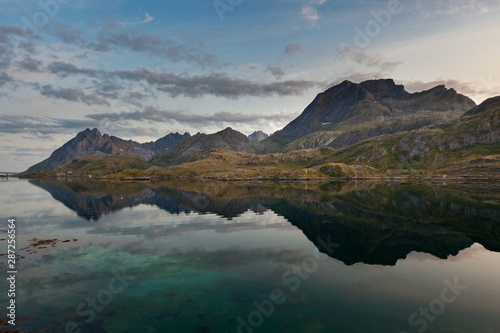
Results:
<point x="200" y="143"/>
<point x="351" y="130"/>
<point x="349" y="112"/>
<point x="466" y="146"/>
<point x="469" y="145"/>
<point x="165" y="144"/>
<point x="258" y="136"/>
<point x="91" y="141"/>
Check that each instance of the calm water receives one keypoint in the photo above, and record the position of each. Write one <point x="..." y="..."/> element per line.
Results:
<point x="211" y="257"/>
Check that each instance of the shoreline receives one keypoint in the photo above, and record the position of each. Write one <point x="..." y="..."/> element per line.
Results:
<point x="454" y="179"/>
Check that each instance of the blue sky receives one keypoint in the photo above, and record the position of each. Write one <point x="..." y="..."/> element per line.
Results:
<point x="142" y="69"/>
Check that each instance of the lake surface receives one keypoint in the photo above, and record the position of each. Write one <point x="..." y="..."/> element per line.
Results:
<point x="221" y="257"/>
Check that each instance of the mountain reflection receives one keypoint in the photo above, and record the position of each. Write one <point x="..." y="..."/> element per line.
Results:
<point x="375" y="223"/>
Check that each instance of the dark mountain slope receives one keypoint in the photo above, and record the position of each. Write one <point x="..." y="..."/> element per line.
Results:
<point x="376" y="106"/>
<point x="91" y="141"/>
<point x="200" y="143"/>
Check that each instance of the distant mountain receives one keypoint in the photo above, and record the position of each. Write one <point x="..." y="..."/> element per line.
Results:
<point x="90" y="141"/>
<point x="349" y="112"/>
<point x="165" y="144"/>
<point x="258" y="136"/>
<point x="200" y="143"/>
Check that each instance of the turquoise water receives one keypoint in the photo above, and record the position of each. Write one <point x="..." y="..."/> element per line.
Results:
<point x="201" y="257"/>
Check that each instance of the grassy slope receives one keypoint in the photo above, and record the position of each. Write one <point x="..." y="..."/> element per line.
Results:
<point x="468" y="146"/>
<point x="225" y="163"/>
<point x="100" y="164"/>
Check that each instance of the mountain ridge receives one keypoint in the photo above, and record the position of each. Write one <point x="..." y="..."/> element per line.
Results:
<point x="200" y="143"/>
<point x="89" y="141"/>
<point x="348" y="104"/>
<point x="375" y="124"/>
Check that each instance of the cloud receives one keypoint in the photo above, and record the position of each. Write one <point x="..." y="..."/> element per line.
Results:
<point x="6" y="31"/>
<point x="193" y="122"/>
<point x="148" y="19"/>
<point x="430" y="8"/>
<point x="69" y="36"/>
<point x="72" y="95"/>
<point x="5" y="78"/>
<point x="30" y="65"/>
<point x="154" y="114"/>
<point x="108" y="38"/>
<point x="363" y="58"/>
<point x="22" y="153"/>
<point x="47" y="127"/>
<point x="28" y="46"/>
<point x="291" y="48"/>
<point x="6" y="45"/>
<point x="276" y="71"/>
<point x="216" y="84"/>
<point x="166" y="48"/>
<point x="310" y="13"/>
<point x="41" y="125"/>
<point x="466" y="88"/>
<point x="65" y="69"/>
<point x="10" y="38"/>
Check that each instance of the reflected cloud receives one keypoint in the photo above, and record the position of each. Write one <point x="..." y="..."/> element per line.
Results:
<point x="376" y="224"/>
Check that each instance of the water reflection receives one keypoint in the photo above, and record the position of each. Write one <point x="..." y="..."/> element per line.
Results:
<point x="375" y="223"/>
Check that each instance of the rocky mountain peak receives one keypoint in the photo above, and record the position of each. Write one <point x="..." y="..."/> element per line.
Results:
<point x="91" y="141"/>
<point x="385" y="89"/>
<point x="368" y="102"/>
<point x="258" y="136"/>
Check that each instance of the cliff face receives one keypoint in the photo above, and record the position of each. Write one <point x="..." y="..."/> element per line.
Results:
<point x="356" y="112"/>
<point x="90" y="141"/>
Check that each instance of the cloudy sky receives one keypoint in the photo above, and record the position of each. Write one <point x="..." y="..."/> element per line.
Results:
<point x="142" y="69"/>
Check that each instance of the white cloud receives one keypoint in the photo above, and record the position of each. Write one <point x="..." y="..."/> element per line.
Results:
<point x="317" y="2"/>
<point x="429" y="8"/>
<point x="310" y="13"/>
<point x="148" y="19"/>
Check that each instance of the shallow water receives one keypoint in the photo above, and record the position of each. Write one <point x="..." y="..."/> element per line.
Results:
<point x="218" y="257"/>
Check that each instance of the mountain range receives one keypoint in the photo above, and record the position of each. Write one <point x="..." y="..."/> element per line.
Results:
<point x="373" y="124"/>
<point x="90" y="141"/>
<point x="200" y="143"/>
